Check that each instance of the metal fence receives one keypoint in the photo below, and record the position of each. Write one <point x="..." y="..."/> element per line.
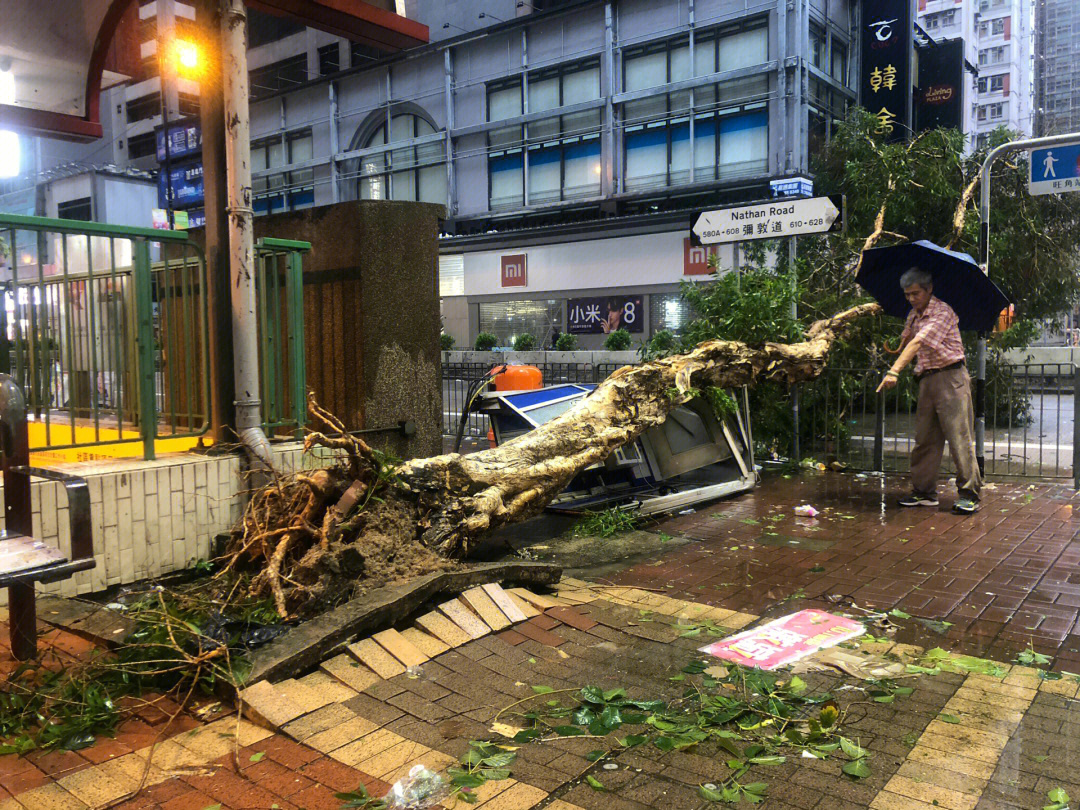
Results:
<point x="1030" y="422"/>
<point x="279" y="290"/>
<point x="106" y="329"/>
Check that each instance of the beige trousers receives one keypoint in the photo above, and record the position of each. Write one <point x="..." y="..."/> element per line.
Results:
<point x="945" y="414"/>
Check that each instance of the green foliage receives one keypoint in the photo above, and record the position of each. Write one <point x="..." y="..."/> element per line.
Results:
<point x="662" y="344"/>
<point x="618" y="341"/>
<point x="182" y="642"/>
<point x="524" y="342"/>
<point x="566" y="342"/>
<point x="748" y="718"/>
<point x="607" y="523"/>
<point x="485" y="342"/>
<point x="446" y="342"/>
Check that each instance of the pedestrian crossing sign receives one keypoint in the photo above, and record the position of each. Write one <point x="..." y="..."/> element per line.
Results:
<point x="1055" y="169"/>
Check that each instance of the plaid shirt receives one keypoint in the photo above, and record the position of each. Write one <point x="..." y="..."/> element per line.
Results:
<point x="937" y="332"/>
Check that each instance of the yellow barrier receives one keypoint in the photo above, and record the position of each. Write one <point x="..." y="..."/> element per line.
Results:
<point x="112" y="448"/>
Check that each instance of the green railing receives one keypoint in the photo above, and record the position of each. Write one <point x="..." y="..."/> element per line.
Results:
<point x="279" y="288"/>
<point x="105" y="328"/>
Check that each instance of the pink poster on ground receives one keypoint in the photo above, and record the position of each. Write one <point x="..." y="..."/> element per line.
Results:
<point x="785" y="640"/>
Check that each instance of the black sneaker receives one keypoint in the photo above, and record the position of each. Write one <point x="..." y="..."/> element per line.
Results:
<point x="965" y="506"/>
<point x="918" y="500"/>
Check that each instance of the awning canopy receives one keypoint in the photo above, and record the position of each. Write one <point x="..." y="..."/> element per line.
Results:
<point x="62" y="54"/>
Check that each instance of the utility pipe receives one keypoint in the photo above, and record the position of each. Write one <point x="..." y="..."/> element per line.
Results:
<point x="984" y="259"/>
<point x="241" y="237"/>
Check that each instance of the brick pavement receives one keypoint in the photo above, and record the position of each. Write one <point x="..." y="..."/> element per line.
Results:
<point x="1005" y="577"/>
<point x="992" y="576"/>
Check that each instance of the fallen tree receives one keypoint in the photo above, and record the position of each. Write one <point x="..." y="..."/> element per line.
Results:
<point x="315" y="538"/>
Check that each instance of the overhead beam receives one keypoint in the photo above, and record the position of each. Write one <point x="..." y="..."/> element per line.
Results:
<point x="353" y="19"/>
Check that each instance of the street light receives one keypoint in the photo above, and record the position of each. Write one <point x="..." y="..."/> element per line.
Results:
<point x="10" y="158"/>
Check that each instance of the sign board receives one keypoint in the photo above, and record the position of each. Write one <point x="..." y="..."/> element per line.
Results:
<point x="786" y="639"/>
<point x="940" y="97"/>
<point x="187" y="185"/>
<point x="695" y="258"/>
<point x="1055" y="169"/>
<point x="768" y="220"/>
<point x="184" y="139"/>
<point x="601" y="316"/>
<point x="792" y="187"/>
<point x="513" y="270"/>
<point x="886" y="42"/>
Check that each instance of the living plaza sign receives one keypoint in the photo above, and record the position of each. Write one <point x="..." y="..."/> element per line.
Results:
<point x="1055" y="169"/>
<point x="768" y="220"/>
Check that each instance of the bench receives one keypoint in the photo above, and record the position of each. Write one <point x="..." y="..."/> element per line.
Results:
<point x="25" y="561"/>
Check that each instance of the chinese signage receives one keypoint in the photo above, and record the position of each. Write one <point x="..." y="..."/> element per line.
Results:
<point x="885" y="87"/>
<point x="184" y="139"/>
<point x="1055" y="169"/>
<point x="513" y="270"/>
<point x="792" y="187"/>
<point x="596" y="316"/>
<point x="768" y="221"/>
<point x="939" y="101"/>
<point x="695" y="258"/>
<point x="785" y="640"/>
<point x="187" y="185"/>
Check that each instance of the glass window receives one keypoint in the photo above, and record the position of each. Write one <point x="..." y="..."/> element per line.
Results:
<point x="408" y="173"/>
<point x="451" y="275"/>
<point x="669" y="311"/>
<point x="646" y="156"/>
<point x="645" y="70"/>
<point x="504" y="102"/>
<point x="839" y="62"/>
<point x="817" y="46"/>
<point x="507" y="178"/>
<point x="581" y="85"/>
<point x="508" y="319"/>
<point x="543" y="94"/>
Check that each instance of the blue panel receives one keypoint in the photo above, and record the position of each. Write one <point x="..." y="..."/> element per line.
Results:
<point x="530" y="399"/>
<point x="543" y="157"/>
<point x="583" y="150"/>
<point x="737" y="123"/>
<point x="508" y="163"/>
<point x="646" y="138"/>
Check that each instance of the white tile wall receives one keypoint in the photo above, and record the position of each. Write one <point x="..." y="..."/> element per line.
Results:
<point x="149" y="517"/>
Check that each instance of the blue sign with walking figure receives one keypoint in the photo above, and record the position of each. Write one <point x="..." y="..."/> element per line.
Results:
<point x="1055" y="169"/>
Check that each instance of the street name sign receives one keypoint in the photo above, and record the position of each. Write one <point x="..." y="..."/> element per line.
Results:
<point x="1055" y="169"/>
<point x="768" y="220"/>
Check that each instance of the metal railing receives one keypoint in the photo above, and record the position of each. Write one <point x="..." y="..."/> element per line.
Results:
<point x="105" y="329"/>
<point x="1031" y="430"/>
<point x="279" y="290"/>
<point x="1030" y="420"/>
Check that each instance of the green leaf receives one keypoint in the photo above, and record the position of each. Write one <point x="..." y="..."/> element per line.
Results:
<point x="499" y="760"/>
<point x="258" y="757"/>
<point x="948" y="718"/>
<point x="583" y="716"/>
<point x="592" y="694"/>
<point x="1040" y="757"/>
<point x="614" y="694"/>
<point x="899" y="614"/>
<point x="595" y="783"/>
<point x="851" y="749"/>
<point x="633" y="739"/>
<point x="757" y="788"/>
<point x="796" y="685"/>
<point x="569" y="731"/>
<point x="818" y="569"/>
<point x="884" y="699"/>
<point x="495" y="774"/>
<point x="592" y="756"/>
<point x="526" y="735"/>
<point x="857" y="768"/>
<point x="1058" y="795"/>
<point x="610" y="718"/>
<point x="902" y="690"/>
<point x="710" y="794"/>
<point x="768" y="760"/>
<point x="213" y="807"/>
<point x="542" y="690"/>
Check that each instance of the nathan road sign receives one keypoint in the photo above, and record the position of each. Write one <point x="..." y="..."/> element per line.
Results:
<point x="769" y="220"/>
<point x="1055" y="169"/>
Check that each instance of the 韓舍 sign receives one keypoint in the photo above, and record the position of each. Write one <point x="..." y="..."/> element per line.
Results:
<point x="887" y="43"/>
<point x="596" y="316"/>
<point x="786" y="639"/>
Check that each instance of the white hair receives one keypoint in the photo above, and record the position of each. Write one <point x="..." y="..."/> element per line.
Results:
<point x="916" y="275"/>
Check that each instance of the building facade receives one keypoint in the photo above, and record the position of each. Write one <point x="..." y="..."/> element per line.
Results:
<point x="999" y="37"/>
<point x="1057" y="70"/>
<point x="572" y="142"/>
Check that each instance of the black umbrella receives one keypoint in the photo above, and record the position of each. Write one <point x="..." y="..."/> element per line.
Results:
<point x="958" y="281"/>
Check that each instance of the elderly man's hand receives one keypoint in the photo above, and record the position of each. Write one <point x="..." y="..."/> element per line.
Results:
<point x="888" y="382"/>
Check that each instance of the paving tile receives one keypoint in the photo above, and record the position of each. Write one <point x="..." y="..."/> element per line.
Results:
<point x="376" y="658"/>
<point x="538" y="601"/>
<point x="531" y="631"/>
<point x="401" y="648"/>
<point x="505" y="602"/>
<point x="464" y="618"/>
<point x="478" y="599"/>
<point x="443" y="629"/>
<point x="349" y="671"/>
<point x="270" y="704"/>
<point x="426" y="643"/>
<point x="346" y="732"/>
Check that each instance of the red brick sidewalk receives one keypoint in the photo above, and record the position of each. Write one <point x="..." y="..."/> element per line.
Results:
<point x="1004" y="578"/>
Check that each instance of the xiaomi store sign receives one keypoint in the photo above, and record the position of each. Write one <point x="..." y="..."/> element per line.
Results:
<point x="513" y="270"/>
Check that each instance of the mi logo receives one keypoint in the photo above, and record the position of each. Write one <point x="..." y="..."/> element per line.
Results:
<point x="696" y="258"/>
<point x="514" y="270"/>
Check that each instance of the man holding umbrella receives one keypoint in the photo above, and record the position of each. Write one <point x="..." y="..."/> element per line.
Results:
<point x="931" y="337"/>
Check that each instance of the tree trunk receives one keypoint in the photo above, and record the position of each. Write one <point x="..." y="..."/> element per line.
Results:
<point x="434" y="509"/>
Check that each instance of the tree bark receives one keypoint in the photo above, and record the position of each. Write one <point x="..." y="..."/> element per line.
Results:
<point x="461" y="498"/>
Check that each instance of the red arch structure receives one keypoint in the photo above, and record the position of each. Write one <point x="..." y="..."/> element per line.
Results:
<point x="63" y="53"/>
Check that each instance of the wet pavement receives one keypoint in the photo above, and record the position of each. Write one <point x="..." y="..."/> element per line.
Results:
<point x="998" y="584"/>
<point x="1003" y="578"/>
